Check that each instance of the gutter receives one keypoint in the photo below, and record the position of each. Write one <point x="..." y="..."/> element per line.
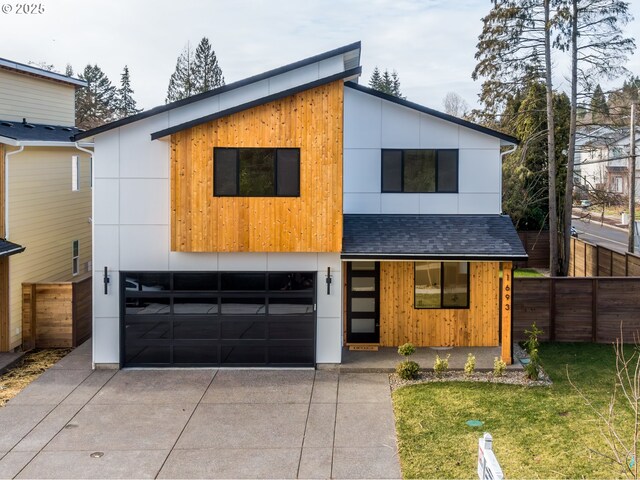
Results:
<point x="6" y="189"/>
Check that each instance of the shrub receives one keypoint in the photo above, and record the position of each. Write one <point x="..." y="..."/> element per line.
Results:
<point x="532" y="344"/>
<point x="406" y="349"/>
<point x="441" y="365"/>
<point x="470" y="365"/>
<point x="499" y="367"/>
<point x="408" y="370"/>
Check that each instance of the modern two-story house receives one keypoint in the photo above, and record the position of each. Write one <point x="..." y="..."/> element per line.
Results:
<point x="45" y="191"/>
<point x="278" y="219"/>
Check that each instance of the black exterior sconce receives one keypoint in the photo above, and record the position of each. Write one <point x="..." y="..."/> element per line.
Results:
<point x="106" y="280"/>
<point x="328" y="280"/>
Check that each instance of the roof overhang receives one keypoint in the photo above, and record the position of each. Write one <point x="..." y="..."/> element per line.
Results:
<point x="9" y="248"/>
<point x="431" y="237"/>
<point x="34" y="143"/>
<point x="39" y="72"/>
<point x="354" y="72"/>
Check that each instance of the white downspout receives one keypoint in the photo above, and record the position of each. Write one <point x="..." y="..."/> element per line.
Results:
<point x="6" y="189"/>
<point x="502" y="155"/>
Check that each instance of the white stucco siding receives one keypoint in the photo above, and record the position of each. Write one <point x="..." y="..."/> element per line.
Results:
<point x="372" y="124"/>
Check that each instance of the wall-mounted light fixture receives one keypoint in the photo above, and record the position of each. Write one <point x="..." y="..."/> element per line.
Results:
<point x="106" y="280"/>
<point x="328" y="280"/>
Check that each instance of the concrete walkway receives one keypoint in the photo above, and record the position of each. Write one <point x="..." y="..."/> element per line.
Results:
<point x="77" y="423"/>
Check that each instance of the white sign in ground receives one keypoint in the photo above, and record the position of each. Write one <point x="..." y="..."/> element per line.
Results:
<point x="488" y="466"/>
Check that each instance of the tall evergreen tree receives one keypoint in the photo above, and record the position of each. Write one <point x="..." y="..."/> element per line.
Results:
<point x="386" y="82"/>
<point x="592" y="33"/>
<point x="206" y="71"/>
<point x="599" y="107"/>
<point x="195" y="72"/>
<point x="376" y="79"/>
<point x="96" y="103"/>
<point x="68" y="70"/>
<point x="125" y="103"/>
<point x="181" y="83"/>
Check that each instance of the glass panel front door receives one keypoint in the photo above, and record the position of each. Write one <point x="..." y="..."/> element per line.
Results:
<point x="363" y="302"/>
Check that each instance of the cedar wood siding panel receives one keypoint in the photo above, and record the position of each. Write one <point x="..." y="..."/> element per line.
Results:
<point x="45" y="216"/>
<point x="312" y="121"/>
<point x="38" y="100"/>
<point x="400" y="322"/>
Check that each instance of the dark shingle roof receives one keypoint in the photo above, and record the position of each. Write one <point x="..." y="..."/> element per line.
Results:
<point x="9" y="248"/>
<point x="431" y="236"/>
<point x="37" y="132"/>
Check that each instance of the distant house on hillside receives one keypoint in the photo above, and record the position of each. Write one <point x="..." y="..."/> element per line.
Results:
<point x="45" y="188"/>
<point x="602" y="160"/>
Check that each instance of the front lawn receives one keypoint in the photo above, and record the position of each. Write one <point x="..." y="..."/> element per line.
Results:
<point x="526" y="273"/>
<point x="538" y="432"/>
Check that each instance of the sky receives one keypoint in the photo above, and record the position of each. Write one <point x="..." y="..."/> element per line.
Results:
<point x="430" y="43"/>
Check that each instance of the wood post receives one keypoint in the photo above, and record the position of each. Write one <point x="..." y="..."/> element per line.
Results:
<point x="594" y="309"/>
<point x="4" y="303"/>
<point x="506" y="295"/>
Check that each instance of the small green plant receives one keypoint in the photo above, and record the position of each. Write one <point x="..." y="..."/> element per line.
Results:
<point x="532" y="346"/>
<point x="499" y="367"/>
<point x="441" y="365"/>
<point x="408" y="370"/>
<point x="407" y="349"/>
<point x="470" y="365"/>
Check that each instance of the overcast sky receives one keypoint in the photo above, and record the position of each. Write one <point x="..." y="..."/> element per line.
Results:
<point x="430" y="43"/>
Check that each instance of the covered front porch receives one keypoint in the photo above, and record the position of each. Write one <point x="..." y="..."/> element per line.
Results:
<point x="385" y="359"/>
<point x="436" y="281"/>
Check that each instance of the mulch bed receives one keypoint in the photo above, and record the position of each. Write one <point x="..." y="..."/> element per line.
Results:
<point x="33" y="365"/>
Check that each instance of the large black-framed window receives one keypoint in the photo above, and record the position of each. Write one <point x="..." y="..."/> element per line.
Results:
<point x="420" y="171"/>
<point x="256" y="172"/>
<point x="441" y="285"/>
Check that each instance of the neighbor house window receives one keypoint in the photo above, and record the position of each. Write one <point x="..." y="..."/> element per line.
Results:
<point x="256" y="172"/>
<point x="420" y="171"/>
<point x="441" y="285"/>
<point x="75" y="257"/>
<point x="75" y="173"/>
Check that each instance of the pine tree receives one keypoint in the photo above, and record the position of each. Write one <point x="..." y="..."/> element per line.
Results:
<point x="181" y="83"/>
<point x="68" y="70"/>
<point x="386" y="82"/>
<point x="374" y="81"/>
<point x="599" y="107"/>
<point x="95" y="103"/>
<point x="207" y="74"/>
<point x="126" y="104"/>
<point x="195" y="73"/>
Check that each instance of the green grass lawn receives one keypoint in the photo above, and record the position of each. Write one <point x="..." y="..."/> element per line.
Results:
<point x="526" y="273"/>
<point x="538" y="432"/>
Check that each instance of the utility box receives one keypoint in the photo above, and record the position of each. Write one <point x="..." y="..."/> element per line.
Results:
<point x="488" y="466"/>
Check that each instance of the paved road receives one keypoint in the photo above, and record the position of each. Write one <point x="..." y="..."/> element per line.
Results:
<point x="593" y="232"/>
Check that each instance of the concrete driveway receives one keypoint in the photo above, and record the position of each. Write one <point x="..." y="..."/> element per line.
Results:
<point x="77" y="423"/>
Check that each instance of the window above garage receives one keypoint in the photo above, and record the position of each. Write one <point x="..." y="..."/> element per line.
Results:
<point x="256" y="172"/>
<point x="420" y="171"/>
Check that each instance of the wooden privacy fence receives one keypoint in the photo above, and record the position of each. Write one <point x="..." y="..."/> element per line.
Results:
<point x="56" y="314"/>
<point x="536" y="244"/>
<point x="577" y="309"/>
<point x="588" y="260"/>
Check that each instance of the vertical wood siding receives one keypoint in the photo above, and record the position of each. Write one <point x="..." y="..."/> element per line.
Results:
<point x="311" y="121"/>
<point x="400" y="322"/>
<point x="45" y="216"/>
<point x="38" y="100"/>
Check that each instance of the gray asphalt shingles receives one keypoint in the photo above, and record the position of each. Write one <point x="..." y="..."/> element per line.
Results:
<point x="450" y="235"/>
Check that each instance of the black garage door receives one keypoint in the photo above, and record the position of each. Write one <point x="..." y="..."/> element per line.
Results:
<point x="185" y="319"/>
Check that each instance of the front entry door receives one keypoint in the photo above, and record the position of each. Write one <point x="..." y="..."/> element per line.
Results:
<point x="363" y="302"/>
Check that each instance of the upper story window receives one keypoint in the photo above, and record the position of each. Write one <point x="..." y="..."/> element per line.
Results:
<point x="75" y="173"/>
<point x="420" y="171"/>
<point x="256" y="172"/>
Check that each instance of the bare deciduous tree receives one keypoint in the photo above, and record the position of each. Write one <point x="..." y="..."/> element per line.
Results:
<point x="455" y="105"/>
